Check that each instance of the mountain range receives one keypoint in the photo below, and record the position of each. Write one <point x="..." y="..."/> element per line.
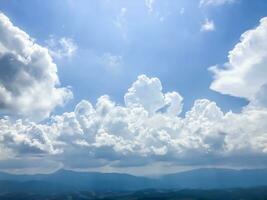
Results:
<point x="70" y="181"/>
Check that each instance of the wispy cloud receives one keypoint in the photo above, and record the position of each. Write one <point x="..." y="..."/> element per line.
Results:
<point x="203" y="3"/>
<point x="120" y="21"/>
<point x="150" y="5"/>
<point x="62" y="47"/>
<point x="110" y="61"/>
<point x="208" y="25"/>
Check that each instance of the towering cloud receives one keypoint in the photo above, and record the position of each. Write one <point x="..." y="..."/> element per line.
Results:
<point x="147" y="93"/>
<point x="29" y="84"/>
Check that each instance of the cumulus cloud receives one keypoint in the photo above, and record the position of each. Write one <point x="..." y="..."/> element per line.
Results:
<point x="147" y="93"/>
<point x="29" y="84"/>
<point x="24" y="138"/>
<point x="215" y="2"/>
<point x="260" y="98"/>
<point x="245" y="73"/>
<point x="208" y="25"/>
<point x="146" y="129"/>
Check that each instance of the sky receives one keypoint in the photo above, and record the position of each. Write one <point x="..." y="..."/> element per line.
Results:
<point x="142" y="87"/>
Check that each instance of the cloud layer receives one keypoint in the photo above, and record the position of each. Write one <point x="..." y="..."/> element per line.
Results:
<point x="147" y="128"/>
<point x="29" y="84"/>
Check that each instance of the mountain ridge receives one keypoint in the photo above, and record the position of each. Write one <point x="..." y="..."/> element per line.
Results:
<point x="68" y="180"/>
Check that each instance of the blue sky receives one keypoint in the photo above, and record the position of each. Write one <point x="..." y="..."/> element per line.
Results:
<point x="173" y="84"/>
<point x="174" y="50"/>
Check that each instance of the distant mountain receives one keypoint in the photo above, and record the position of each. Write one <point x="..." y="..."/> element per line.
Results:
<point x="258" y="193"/>
<point x="208" y="178"/>
<point x="75" y="181"/>
<point x="37" y="187"/>
<point x="71" y="181"/>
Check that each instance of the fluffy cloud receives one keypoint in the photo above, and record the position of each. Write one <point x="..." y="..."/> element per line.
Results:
<point x="28" y="76"/>
<point x="146" y="129"/>
<point x="147" y="93"/>
<point x="24" y="138"/>
<point x="245" y="74"/>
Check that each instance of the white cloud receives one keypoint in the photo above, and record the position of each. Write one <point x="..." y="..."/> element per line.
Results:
<point x="260" y="98"/>
<point x="29" y="84"/>
<point x="111" y="61"/>
<point x="24" y="138"/>
<point x="61" y="48"/>
<point x="174" y="102"/>
<point x="146" y="129"/>
<point x="208" y="25"/>
<point x="215" y="2"/>
<point x="245" y="73"/>
<point x="147" y="93"/>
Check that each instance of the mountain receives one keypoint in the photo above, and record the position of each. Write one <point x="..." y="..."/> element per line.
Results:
<point x="258" y="193"/>
<point x="71" y="181"/>
<point x="208" y="178"/>
<point x="75" y="181"/>
<point x="37" y="187"/>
